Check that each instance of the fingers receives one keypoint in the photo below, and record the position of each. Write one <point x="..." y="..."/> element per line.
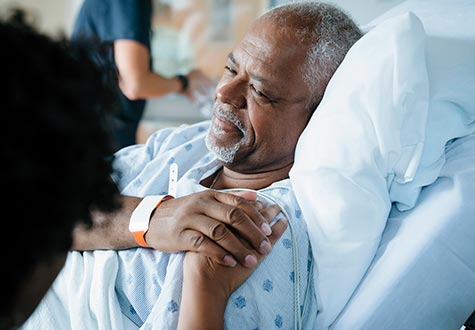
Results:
<point x="200" y="243"/>
<point x="221" y="235"/>
<point x="278" y="229"/>
<point x="222" y="226"/>
<point x="245" y="201"/>
<point x="270" y="213"/>
<point x="242" y="216"/>
<point x="237" y="238"/>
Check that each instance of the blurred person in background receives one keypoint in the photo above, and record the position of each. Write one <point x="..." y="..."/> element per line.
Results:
<point x="123" y="28"/>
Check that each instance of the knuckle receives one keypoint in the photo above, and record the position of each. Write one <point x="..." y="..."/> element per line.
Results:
<point x="236" y="216"/>
<point x="207" y="194"/>
<point x="180" y="213"/>
<point x="276" y="208"/>
<point x="197" y="241"/>
<point x="239" y="201"/>
<point x="218" y="232"/>
<point x="272" y="211"/>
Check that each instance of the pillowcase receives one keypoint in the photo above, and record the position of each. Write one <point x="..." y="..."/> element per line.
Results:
<point x="367" y="133"/>
<point x="450" y="54"/>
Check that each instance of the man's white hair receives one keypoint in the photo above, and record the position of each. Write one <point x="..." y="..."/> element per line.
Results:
<point x="327" y="31"/>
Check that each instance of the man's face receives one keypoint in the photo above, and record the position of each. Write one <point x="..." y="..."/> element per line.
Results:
<point x="261" y="102"/>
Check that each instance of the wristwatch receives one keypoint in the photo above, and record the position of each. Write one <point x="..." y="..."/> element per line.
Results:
<point x="184" y="82"/>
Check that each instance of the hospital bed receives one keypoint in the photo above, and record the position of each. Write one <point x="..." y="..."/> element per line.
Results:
<point x="423" y="273"/>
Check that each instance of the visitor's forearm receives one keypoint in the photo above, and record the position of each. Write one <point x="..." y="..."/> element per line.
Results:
<point x="109" y="230"/>
<point x="201" y="308"/>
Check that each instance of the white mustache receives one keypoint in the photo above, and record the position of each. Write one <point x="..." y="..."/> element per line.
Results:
<point x="220" y="111"/>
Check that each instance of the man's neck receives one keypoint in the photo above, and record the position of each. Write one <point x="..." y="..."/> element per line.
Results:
<point x="226" y="178"/>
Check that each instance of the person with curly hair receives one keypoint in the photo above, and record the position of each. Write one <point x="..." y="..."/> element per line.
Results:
<point x="55" y="154"/>
<point x="124" y="28"/>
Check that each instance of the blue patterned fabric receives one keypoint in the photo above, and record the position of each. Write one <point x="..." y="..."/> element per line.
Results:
<point x="148" y="283"/>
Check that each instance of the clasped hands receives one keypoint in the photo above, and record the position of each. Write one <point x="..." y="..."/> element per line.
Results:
<point x="228" y="228"/>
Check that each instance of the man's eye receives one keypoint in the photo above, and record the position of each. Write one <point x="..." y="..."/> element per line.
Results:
<point x="228" y="68"/>
<point x="258" y="92"/>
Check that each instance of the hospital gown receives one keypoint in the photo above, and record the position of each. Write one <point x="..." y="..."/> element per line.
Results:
<point x="141" y="288"/>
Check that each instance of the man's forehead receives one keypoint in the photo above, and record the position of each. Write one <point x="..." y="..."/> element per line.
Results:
<point x="270" y="54"/>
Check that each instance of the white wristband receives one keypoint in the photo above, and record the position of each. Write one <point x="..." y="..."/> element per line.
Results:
<point x="140" y="218"/>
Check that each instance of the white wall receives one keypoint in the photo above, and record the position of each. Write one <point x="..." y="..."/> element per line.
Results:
<point x="58" y="15"/>
<point x="362" y="11"/>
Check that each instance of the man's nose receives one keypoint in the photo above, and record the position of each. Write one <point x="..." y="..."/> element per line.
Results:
<point x="233" y="93"/>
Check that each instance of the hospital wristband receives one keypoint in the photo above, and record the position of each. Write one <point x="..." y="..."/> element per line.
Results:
<point x="141" y="216"/>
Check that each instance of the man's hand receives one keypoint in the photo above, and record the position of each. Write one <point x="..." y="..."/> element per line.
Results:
<point x="207" y="273"/>
<point x="215" y="224"/>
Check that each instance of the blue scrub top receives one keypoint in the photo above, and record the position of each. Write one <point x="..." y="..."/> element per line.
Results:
<point x="107" y="21"/>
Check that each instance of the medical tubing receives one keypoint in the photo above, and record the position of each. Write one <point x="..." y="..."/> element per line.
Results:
<point x="307" y="289"/>
<point x="297" y="310"/>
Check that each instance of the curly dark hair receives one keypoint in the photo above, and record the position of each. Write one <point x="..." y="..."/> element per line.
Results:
<point x="55" y="146"/>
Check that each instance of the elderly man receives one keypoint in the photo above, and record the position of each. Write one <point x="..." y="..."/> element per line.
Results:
<point x="273" y="81"/>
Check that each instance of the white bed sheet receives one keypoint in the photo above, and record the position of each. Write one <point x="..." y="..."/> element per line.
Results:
<point x="423" y="275"/>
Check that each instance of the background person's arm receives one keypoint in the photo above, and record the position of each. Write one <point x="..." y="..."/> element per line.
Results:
<point x="138" y="81"/>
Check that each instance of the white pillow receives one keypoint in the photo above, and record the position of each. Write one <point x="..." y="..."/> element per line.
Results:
<point x="450" y="57"/>
<point x="367" y="133"/>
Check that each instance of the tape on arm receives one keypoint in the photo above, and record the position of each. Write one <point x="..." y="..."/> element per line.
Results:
<point x="141" y="216"/>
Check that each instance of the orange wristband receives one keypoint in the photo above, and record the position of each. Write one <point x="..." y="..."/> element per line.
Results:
<point x="141" y="216"/>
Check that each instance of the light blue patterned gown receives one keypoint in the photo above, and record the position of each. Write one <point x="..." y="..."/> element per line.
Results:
<point x="145" y="286"/>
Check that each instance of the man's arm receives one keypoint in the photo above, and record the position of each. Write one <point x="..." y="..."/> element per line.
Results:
<point x="209" y="222"/>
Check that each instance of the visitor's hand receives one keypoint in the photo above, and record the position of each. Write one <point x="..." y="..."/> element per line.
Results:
<point x="205" y="274"/>
<point x="207" y="286"/>
<point x="227" y="228"/>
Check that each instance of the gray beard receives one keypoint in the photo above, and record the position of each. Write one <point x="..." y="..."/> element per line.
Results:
<point x="224" y="154"/>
